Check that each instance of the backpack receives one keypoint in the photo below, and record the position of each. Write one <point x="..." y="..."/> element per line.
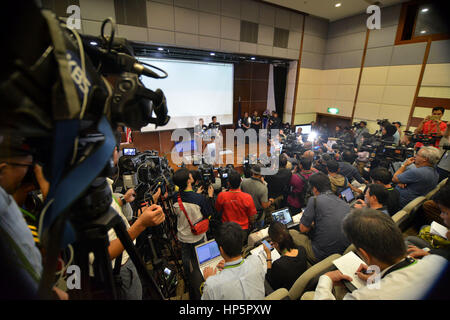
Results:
<point x="306" y="192"/>
<point x="340" y="189"/>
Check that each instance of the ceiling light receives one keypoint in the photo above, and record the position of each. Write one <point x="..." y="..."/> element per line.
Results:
<point x="160" y="49"/>
<point x="337" y="5"/>
<point x="423" y="31"/>
<point x="425" y="10"/>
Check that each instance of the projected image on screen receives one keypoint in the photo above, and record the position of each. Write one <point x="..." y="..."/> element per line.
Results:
<point x="193" y="90"/>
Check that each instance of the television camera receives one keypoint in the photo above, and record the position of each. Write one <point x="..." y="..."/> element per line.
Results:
<point x="66" y="97"/>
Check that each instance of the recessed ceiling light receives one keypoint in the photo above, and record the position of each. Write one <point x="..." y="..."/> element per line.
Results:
<point x="160" y="49"/>
<point x="93" y="43"/>
<point x="424" y="9"/>
<point x="423" y="31"/>
<point x="337" y="5"/>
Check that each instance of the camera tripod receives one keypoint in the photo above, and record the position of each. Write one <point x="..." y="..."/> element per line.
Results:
<point x="93" y="237"/>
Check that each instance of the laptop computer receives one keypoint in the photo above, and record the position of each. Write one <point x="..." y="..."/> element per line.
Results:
<point x="348" y="196"/>
<point x="283" y="216"/>
<point x="208" y="254"/>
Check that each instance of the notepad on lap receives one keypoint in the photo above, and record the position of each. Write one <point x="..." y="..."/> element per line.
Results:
<point x="438" y="229"/>
<point x="348" y="264"/>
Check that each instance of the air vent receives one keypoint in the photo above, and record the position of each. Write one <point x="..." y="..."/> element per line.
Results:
<point x="249" y="31"/>
<point x="131" y="12"/>
<point x="280" y="38"/>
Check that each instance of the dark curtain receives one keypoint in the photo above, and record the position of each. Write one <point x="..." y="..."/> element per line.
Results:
<point x="279" y="83"/>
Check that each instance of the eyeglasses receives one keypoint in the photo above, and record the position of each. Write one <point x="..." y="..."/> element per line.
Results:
<point x="29" y="165"/>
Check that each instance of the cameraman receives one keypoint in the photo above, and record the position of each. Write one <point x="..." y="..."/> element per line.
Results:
<point x="432" y="125"/>
<point x="130" y="284"/>
<point x="21" y="267"/>
<point x="362" y="128"/>
<point x="197" y="207"/>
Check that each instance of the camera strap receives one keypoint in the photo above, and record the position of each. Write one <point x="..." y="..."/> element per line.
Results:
<point x="61" y="53"/>
<point x="180" y="203"/>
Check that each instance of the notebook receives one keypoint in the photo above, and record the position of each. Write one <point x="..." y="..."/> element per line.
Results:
<point x="208" y="254"/>
<point x="348" y="264"/>
<point x="283" y="216"/>
<point x="438" y="230"/>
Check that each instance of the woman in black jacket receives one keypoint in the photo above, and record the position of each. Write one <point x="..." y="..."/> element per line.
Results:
<point x="285" y="271"/>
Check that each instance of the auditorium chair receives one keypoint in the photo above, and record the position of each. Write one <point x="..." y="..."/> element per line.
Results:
<point x="430" y="194"/>
<point x="400" y="219"/>
<point x="350" y="248"/>
<point x="299" y="286"/>
<point x="280" y="294"/>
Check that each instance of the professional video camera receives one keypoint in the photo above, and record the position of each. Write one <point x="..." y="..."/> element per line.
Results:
<point x="146" y="172"/>
<point x="56" y="95"/>
<point x="206" y="175"/>
<point x="224" y="172"/>
<point x="426" y="139"/>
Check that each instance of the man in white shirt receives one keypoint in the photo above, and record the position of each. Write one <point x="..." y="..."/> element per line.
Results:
<point x="379" y="242"/>
<point x="240" y="279"/>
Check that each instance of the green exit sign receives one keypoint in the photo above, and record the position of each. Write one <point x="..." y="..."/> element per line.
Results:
<point x="333" y="110"/>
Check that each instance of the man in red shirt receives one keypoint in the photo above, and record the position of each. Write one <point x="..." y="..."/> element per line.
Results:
<point x="235" y="205"/>
<point x="432" y="125"/>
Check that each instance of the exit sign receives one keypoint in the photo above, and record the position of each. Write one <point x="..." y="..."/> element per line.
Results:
<point x="333" y="110"/>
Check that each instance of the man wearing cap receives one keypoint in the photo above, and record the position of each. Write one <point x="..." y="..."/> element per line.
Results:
<point x="257" y="188"/>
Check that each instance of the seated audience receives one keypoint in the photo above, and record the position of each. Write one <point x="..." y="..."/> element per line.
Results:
<point x="382" y="176"/>
<point x="322" y="219"/>
<point x="379" y="242"/>
<point x="235" y="205"/>
<point x="337" y="180"/>
<point x="375" y="197"/>
<point x="284" y="271"/>
<point x="257" y="188"/>
<point x="348" y="170"/>
<point x="418" y="181"/>
<point x="416" y="250"/>
<point x="239" y="279"/>
<point x="300" y="175"/>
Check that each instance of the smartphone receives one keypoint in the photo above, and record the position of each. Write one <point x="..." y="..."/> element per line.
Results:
<point x="267" y="244"/>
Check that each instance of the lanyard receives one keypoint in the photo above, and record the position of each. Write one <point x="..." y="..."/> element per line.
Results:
<point x="405" y="263"/>
<point x="234" y="265"/>
<point x="25" y="212"/>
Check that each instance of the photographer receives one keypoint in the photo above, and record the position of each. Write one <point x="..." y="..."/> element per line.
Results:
<point x="197" y="207"/>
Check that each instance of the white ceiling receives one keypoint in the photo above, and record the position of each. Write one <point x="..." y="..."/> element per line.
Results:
<point x="326" y="8"/>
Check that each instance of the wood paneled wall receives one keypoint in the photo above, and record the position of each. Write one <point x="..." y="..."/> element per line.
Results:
<point x="251" y="82"/>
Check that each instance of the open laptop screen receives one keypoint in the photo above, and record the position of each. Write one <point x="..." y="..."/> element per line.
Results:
<point x="207" y="251"/>
<point x="347" y="195"/>
<point x="282" y="216"/>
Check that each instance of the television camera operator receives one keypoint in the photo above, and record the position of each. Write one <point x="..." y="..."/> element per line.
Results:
<point x="22" y="271"/>
<point x="432" y="125"/>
